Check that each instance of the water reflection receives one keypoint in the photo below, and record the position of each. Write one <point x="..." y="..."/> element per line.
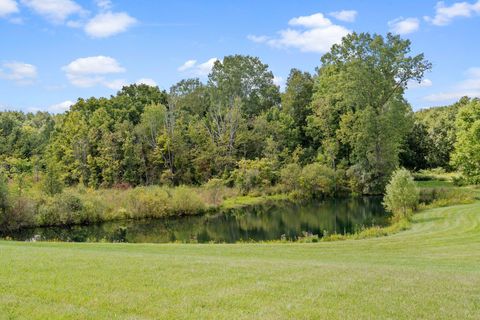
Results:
<point x="259" y="223"/>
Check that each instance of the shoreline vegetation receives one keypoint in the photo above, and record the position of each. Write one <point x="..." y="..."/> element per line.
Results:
<point x="83" y="206"/>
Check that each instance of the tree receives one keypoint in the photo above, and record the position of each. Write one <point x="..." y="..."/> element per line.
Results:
<point x="4" y="198"/>
<point x="415" y="153"/>
<point x="358" y="104"/>
<point x="402" y="195"/>
<point x="442" y="132"/>
<point x="246" y="78"/>
<point x="466" y="155"/>
<point x="297" y="99"/>
<point x="52" y="183"/>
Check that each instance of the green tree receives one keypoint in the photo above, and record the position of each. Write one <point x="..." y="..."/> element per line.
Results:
<point x="442" y="132"/>
<point x="402" y="195"/>
<point x="466" y="156"/>
<point x="4" y="197"/>
<point x="297" y="98"/>
<point x="358" y="104"/>
<point x="246" y="78"/>
<point x="52" y="181"/>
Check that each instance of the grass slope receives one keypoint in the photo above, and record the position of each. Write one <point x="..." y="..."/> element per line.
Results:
<point x="431" y="271"/>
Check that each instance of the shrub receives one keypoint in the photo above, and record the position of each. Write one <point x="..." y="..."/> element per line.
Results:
<point x="317" y="180"/>
<point x="402" y="195"/>
<point x="289" y="177"/>
<point x="148" y="202"/>
<point x="4" y="197"/>
<point x="19" y="214"/>
<point x="52" y="182"/>
<point x="62" y="209"/>
<point x="459" y="181"/>
<point x="186" y="201"/>
<point x="252" y="174"/>
<point x="215" y="186"/>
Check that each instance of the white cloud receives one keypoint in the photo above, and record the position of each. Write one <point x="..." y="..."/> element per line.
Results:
<point x="257" y="39"/>
<point x="108" y="24"/>
<point x="20" y="72"/>
<point x="115" y="84"/>
<point x="104" y="4"/>
<point x="187" y="65"/>
<point x="468" y="87"/>
<point x="316" y="20"/>
<point x="423" y="84"/>
<point x="316" y="34"/>
<point x="201" y="69"/>
<point x="345" y="15"/>
<point x="404" y="26"/>
<point x="8" y="7"/>
<point x="56" y="11"/>
<point x="91" y="71"/>
<point x="147" y="81"/>
<point x="60" y="107"/>
<point x="204" y="69"/>
<point x="445" y="14"/>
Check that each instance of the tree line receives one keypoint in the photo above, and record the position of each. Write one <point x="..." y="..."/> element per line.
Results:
<point x="348" y="124"/>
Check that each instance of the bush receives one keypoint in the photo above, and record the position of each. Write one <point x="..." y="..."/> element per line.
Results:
<point x="148" y="202"/>
<point x="186" y="201"/>
<point x="289" y="177"/>
<point x="459" y="181"/>
<point x="252" y="174"/>
<point x="215" y="187"/>
<point x="62" y="209"/>
<point x="402" y="195"/>
<point x="317" y="180"/>
<point x="52" y="182"/>
<point x="21" y="213"/>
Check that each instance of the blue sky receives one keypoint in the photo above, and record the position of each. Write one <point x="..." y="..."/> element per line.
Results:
<point x="54" y="51"/>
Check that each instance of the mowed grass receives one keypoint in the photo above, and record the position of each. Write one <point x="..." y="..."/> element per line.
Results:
<point x="431" y="271"/>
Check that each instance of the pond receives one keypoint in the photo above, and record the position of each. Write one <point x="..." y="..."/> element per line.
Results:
<point x="262" y="223"/>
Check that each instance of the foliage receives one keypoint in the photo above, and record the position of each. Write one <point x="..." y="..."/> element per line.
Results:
<point x="186" y="201"/>
<point x="401" y="195"/>
<point x="344" y="129"/>
<point x="431" y="142"/>
<point x="52" y="183"/>
<point x="4" y="197"/>
<point x="317" y="180"/>
<point x="290" y="177"/>
<point x="358" y="105"/>
<point x="466" y="156"/>
<point x="252" y="174"/>
<point x="434" y="197"/>
<point x="215" y="187"/>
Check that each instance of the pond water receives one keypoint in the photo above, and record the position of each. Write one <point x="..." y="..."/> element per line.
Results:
<point x="273" y="222"/>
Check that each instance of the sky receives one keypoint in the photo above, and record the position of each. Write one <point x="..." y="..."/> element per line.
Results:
<point x="55" y="51"/>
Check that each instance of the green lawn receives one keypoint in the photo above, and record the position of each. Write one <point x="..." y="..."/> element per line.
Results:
<point x="429" y="272"/>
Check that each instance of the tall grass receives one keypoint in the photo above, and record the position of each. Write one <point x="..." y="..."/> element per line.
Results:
<point x="81" y="205"/>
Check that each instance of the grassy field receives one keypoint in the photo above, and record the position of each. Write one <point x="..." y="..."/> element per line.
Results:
<point x="431" y="271"/>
